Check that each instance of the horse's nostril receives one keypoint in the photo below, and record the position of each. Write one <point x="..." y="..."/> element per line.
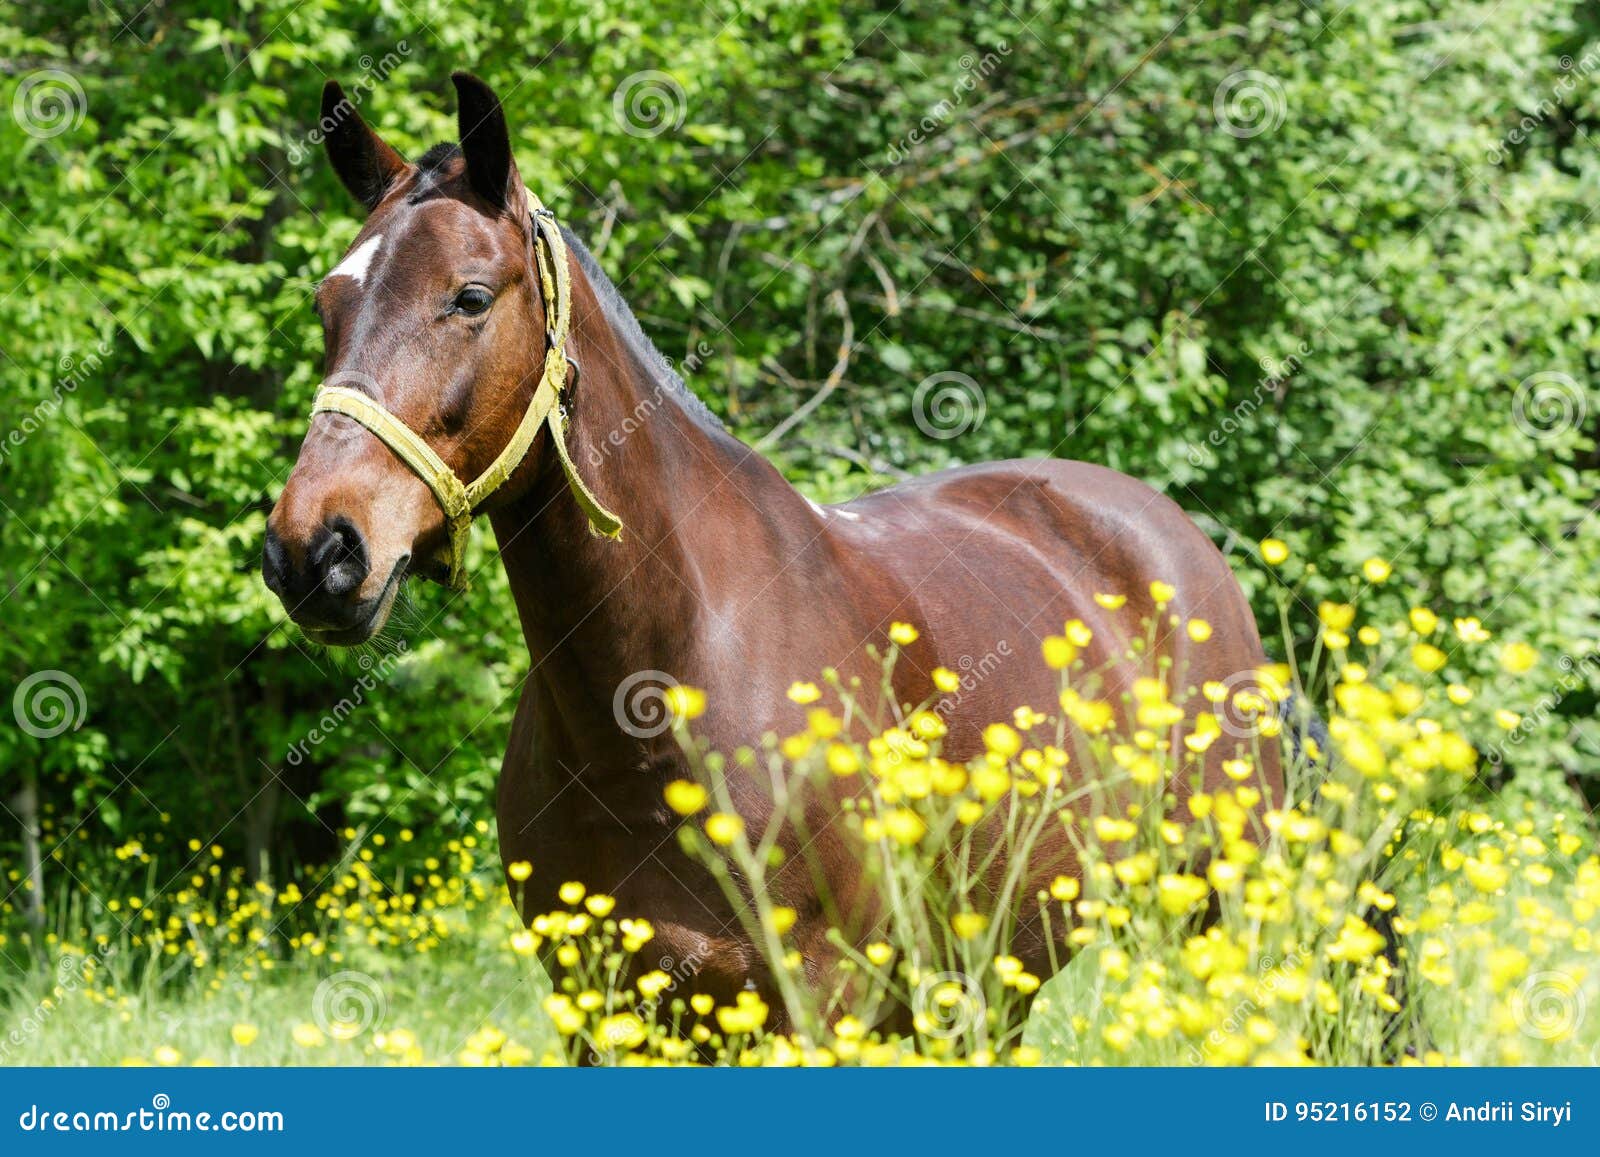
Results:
<point x="342" y="559"/>
<point x="274" y="563"/>
<point x="332" y="569"/>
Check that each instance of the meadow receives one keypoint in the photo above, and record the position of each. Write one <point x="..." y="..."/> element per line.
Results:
<point x="1205" y="929"/>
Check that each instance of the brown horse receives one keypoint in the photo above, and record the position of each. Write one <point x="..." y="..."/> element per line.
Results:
<point x="724" y="577"/>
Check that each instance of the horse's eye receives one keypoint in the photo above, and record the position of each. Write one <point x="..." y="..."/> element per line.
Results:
<point x="473" y="300"/>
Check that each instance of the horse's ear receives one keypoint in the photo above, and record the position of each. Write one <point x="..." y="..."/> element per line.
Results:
<point x="364" y="161"/>
<point x="485" y="142"/>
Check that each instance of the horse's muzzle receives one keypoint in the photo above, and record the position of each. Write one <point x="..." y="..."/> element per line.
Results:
<point x="320" y="591"/>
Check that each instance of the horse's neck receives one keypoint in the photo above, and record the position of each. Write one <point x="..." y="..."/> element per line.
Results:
<point x="596" y="610"/>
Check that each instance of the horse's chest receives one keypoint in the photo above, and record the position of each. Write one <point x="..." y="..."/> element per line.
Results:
<point x="558" y="799"/>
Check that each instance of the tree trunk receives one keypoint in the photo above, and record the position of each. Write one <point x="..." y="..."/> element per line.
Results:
<point x="261" y="814"/>
<point x="27" y="806"/>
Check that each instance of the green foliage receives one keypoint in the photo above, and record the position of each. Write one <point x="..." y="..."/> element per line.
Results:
<point x="1395" y="237"/>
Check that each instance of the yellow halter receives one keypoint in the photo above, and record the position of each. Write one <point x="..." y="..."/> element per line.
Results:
<point x="461" y="501"/>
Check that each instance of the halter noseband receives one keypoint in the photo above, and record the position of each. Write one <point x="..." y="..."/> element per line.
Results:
<point x="461" y="501"/>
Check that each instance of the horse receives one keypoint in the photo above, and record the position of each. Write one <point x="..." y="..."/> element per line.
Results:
<point x="468" y="337"/>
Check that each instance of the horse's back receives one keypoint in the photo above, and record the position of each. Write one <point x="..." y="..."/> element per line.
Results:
<point x="988" y="560"/>
<point x="1051" y="527"/>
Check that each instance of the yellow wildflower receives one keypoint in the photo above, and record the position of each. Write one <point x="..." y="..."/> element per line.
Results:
<point x="1002" y="739"/>
<point x="724" y="828"/>
<point x="902" y="633"/>
<point x="1428" y="658"/>
<point x="685" y="702"/>
<point x="1064" y="888"/>
<point x="803" y="693"/>
<point x="685" y="797"/>
<point x="624" y="1030"/>
<point x="1336" y="616"/>
<point x="968" y="925"/>
<point x="1058" y="652"/>
<point x="1518" y="657"/>
<point x="843" y="760"/>
<point x="904" y="826"/>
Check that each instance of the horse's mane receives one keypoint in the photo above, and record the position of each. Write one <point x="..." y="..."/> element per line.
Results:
<point x="631" y="333"/>
<point x="438" y="158"/>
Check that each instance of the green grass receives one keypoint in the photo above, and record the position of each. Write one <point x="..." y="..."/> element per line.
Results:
<point x="442" y="998"/>
<point x="455" y="999"/>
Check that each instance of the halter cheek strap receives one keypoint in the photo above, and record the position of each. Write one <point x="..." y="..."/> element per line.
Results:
<point x="461" y="501"/>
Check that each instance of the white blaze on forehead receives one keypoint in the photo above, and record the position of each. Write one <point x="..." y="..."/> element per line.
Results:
<point x="359" y="259"/>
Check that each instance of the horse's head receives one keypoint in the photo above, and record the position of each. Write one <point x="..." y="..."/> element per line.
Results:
<point x="436" y="314"/>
